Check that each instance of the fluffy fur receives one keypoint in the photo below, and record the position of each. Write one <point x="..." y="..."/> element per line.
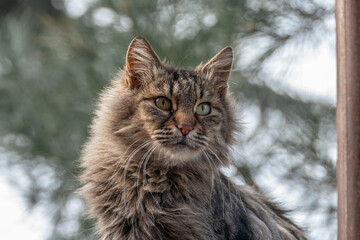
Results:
<point x="146" y="178"/>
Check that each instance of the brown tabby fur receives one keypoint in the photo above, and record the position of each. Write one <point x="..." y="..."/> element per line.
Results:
<point x="144" y="180"/>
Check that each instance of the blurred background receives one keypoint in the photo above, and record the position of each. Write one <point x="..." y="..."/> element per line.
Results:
<point x="56" y="56"/>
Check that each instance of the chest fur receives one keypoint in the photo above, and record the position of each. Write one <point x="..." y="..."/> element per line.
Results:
<point x="166" y="206"/>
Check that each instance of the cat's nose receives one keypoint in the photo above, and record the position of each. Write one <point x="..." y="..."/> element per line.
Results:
<point x="185" y="128"/>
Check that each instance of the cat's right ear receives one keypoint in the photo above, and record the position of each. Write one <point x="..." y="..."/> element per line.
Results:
<point x="218" y="69"/>
<point x="140" y="59"/>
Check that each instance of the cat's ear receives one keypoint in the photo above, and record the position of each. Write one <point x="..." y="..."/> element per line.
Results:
<point x="140" y="60"/>
<point x="218" y="69"/>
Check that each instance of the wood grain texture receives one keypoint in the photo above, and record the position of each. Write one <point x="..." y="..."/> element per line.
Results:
<point x="348" y="118"/>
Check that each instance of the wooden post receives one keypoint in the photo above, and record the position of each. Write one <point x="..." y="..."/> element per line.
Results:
<point x="348" y="118"/>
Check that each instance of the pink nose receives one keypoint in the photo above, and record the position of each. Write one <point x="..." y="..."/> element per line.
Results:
<point x="185" y="128"/>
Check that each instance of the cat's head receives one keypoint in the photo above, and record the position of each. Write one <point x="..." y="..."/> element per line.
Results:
<point x="186" y="114"/>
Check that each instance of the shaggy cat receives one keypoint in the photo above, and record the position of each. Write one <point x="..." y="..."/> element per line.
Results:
<point x="152" y="163"/>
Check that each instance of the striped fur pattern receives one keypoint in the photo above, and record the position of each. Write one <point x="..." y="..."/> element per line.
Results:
<point x="144" y="178"/>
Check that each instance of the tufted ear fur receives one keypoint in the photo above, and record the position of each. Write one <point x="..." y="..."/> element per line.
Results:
<point x="218" y="69"/>
<point x="140" y="59"/>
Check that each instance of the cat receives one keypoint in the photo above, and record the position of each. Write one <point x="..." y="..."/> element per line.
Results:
<point x="151" y="166"/>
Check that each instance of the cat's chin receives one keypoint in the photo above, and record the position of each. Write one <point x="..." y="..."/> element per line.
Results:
<point x="180" y="153"/>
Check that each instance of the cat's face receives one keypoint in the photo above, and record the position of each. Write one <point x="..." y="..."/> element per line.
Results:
<point x="181" y="113"/>
<point x="185" y="114"/>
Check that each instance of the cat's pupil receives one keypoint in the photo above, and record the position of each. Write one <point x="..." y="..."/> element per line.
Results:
<point x="163" y="102"/>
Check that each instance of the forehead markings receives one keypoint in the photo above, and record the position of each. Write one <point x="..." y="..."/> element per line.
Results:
<point x="175" y="77"/>
<point x="186" y="89"/>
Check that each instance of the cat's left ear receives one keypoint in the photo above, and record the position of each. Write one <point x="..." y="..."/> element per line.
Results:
<point x="218" y="69"/>
<point x="140" y="61"/>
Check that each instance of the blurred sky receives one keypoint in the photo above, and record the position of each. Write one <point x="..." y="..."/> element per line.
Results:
<point x="15" y="221"/>
<point x="312" y="75"/>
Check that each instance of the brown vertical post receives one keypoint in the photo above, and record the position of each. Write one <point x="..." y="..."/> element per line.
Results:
<point x="348" y="118"/>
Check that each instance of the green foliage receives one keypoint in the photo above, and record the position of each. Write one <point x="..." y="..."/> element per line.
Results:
<point x="52" y="67"/>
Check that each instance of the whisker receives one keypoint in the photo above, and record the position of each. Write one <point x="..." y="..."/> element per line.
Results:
<point x="146" y="162"/>
<point x="200" y="137"/>
<point x="217" y="157"/>
<point x="128" y="160"/>
<point x="144" y="176"/>
<point x="164" y="133"/>
<point x="169" y="141"/>
<point x="146" y="156"/>
<point x="118" y="168"/>
<point x="159" y="153"/>
<point x="212" y="177"/>
<point x="202" y="143"/>
<point x="162" y="138"/>
<point x="162" y="130"/>
<point x="168" y="137"/>
<point x="221" y="186"/>
<point x="201" y="133"/>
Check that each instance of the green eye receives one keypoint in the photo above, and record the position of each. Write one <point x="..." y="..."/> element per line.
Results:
<point x="203" y="109"/>
<point x="163" y="103"/>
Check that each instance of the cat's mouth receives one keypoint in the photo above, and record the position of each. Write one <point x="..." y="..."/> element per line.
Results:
<point x="182" y="142"/>
<point x="184" y="145"/>
<point x="176" y="144"/>
<point x="179" y="145"/>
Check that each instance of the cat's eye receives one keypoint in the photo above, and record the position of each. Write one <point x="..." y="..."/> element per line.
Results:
<point x="163" y="103"/>
<point x="203" y="109"/>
